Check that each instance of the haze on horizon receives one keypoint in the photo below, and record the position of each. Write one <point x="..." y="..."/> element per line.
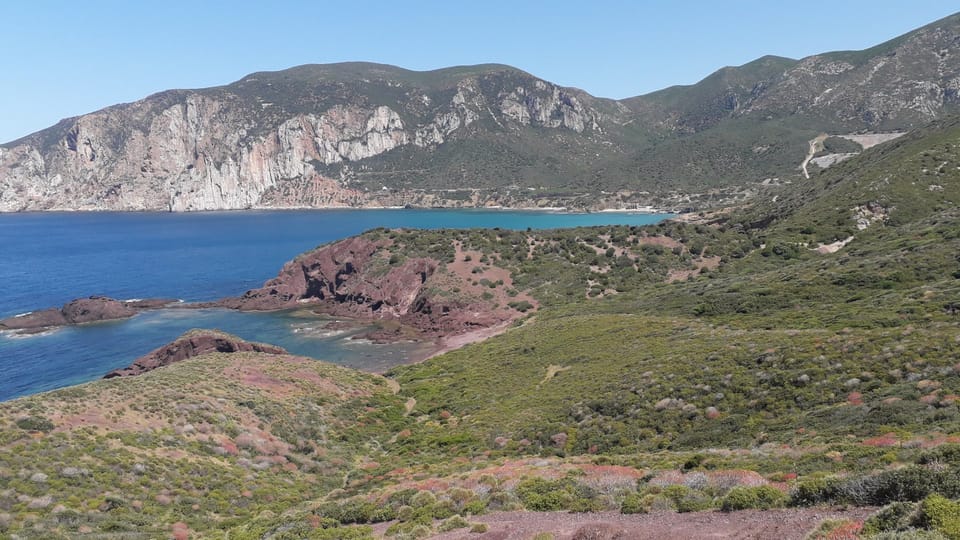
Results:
<point x="65" y="59"/>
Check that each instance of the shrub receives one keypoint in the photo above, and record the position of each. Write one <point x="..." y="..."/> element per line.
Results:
<point x="402" y="497"/>
<point x="633" y="504"/>
<point x="907" y="484"/>
<point x="478" y="527"/>
<point x="475" y="507"/>
<point x="543" y="495"/>
<point x="909" y="534"/>
<point x="942" y="515"/>
<point x="893" y="517"/>
<point x="816" y="491"/>
<point x="443" y="510"/>
<point x="405" y="513"/>
<point x="342" y="533"/>
<point x="357" y="511"/>
<point x="423" y="498"/>
<point x="453" y="523"/>
<point x="35" y="423"/>
<point x="745" y="498"/>
<point x="694" y="501"/>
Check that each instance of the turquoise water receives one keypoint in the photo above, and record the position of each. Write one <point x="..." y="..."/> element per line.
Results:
<point x="47" y="259"/>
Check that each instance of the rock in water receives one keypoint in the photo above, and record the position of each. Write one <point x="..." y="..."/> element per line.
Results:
<point x="79" y="311"/>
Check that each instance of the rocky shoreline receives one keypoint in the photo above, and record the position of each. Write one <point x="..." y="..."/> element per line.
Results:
<point x="358" y="279"/>
<point x="677" y="204"/>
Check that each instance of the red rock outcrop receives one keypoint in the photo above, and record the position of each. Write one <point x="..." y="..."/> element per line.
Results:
<point x="193" y="343"/>
<point x="80" y="311"/>
<point x="356" y="277"/>
<point x="340" y="278"/>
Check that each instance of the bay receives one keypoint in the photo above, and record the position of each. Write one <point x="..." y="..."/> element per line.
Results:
<point x="47" y="259"/>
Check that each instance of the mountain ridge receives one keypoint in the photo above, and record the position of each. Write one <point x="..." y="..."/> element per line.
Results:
<point x="366" y="134"/>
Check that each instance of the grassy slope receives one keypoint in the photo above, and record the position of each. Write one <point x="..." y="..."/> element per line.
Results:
<point x="873" y="318"/>
<point x="211" y="443"/>
<point x="780" y="360"/>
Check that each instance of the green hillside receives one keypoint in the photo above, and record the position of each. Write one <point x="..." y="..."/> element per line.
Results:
<point x="720" y="362"/>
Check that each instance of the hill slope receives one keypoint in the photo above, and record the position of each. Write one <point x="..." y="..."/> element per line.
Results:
<point x="724" y="363"/>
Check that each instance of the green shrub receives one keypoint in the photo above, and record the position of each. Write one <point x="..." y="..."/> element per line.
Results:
<point x="694" y="501"/>
<point x="907" y="484"/>
<point x="443" y="510"/>
<point x="453" y="523"/>
<point x="35" y="423"/>
<point x="543" y="495"/>
<point x="402" y="497"/>
<point x="357" y="511"/>
<point x="942" y="515"/>
<point x="405" y="513"/>
<point x="893" y="517"/>
<point x="342" y="533"/>
<point x="816" y="491"/>
<point x="909" y="534"/>
<point x="760" y="497"/>
<point x="423" y="498"/>
<point x="633" y="504"/>
<point x="475" y="507"/>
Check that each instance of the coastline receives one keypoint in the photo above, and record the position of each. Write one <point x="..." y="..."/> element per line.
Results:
<point x="186" y="244"/>
<point x="547" y="209"/>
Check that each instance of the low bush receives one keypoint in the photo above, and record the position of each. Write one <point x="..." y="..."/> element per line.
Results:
<point x="747" y="498"/>
<point x="894" y="517"/>
<point x="942" y="515"/>
<point x="357" y="511"/>
<point x="543" y="495"/>
<point x="634" y="504"/>
<point x="35" y="423"/>
<point x="453" y="523"/>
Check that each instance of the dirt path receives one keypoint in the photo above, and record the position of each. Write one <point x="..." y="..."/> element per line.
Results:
<point x="816" y="144"/>
<point x="792" y="524"/>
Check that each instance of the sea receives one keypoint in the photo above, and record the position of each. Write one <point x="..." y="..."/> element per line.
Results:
<point x="48" y="259"/>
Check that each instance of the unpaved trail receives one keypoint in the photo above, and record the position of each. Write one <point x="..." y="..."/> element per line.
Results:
<point x="816" y="144"/>
<point x="785" y="524"/>
<point x="865" y="140"/>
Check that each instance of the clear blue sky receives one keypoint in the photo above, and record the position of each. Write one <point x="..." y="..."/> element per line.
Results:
<point x="64" y="58"/>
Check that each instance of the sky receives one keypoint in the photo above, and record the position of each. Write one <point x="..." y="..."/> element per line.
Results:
<point x="65" y="58"/>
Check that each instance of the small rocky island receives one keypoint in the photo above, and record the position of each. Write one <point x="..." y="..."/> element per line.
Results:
<point x="80" y="311"/>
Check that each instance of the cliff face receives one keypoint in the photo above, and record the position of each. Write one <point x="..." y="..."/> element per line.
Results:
<point x="231" y="147"/>
<point x="369" y="277"/>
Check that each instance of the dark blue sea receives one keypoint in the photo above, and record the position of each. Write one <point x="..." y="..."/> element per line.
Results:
<point x="48" y="259"/>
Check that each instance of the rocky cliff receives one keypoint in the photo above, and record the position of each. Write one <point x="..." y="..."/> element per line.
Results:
<point x="360" y="134"/>
<point x="371" y="277"/>
<point x="292" y="138"/>
<point x="191" y="344"/>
